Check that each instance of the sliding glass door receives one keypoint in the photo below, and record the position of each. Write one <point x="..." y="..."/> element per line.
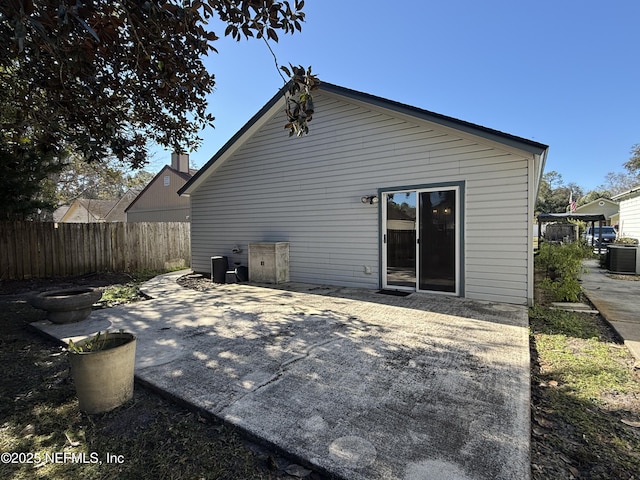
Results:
<point x="401" y="239"/>
<point x="421" y="239"/>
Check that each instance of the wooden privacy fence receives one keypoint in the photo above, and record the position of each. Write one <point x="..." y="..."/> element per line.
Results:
<point x="46" y="249"/>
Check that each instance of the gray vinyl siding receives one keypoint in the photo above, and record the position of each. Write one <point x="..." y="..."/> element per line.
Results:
<point x="307" y="191"/>
<point x="630" y="218"/>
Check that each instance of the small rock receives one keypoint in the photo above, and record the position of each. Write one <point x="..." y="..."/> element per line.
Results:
<point x="539" y="432"/>
<point x="272" y="463"/>
<point x="297" y="471"/>
<point x="543" y="422"/>
<point x="28" y="431"/>
<point x="630" y="423"/>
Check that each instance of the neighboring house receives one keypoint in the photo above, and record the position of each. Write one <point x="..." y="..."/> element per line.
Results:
<point x="159" y="201"/>
<point x="59" y="212"/>
<point x="378" y="195"/>
<point x="615" y="219"/>
<point x="603" y="206"/>
<point x="84" y="210"/>
<point x="117" y="213"/>
<point x="629" y="222"/>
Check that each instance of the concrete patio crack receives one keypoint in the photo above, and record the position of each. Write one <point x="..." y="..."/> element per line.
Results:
<point x="281" y="370"/>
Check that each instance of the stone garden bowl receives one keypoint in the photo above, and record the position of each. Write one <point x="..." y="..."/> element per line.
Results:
<point x="67" y="306"/>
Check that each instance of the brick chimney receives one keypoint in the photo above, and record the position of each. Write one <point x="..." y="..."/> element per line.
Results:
<point x="180" y="162"/>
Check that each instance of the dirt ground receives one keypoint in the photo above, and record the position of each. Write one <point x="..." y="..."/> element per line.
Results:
<point x="158" y="438"/>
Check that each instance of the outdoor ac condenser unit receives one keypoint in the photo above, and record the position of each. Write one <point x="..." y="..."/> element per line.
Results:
<point x="624" y="259"/>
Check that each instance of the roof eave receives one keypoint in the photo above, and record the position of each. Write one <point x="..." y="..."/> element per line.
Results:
<point x="520" y="143"/>
<point x="200" y="176"/>
<point x="538" y="150"/>
<point x="625" y="195"/>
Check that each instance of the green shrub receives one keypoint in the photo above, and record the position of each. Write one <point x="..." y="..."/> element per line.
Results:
<point x="562" y="266"/>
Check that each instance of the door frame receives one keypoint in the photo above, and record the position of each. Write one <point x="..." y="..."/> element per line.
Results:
<point x="459" y="188"/>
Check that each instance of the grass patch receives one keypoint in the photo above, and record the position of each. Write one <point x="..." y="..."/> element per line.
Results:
<point x="118" y="294"/>
<point x="567" y="324"/>
<point x="128" y="292"/>
<point x="583" y="386"/>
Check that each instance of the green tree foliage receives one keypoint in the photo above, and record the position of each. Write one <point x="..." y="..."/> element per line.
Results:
<point x="27" y="195"/>
<point x="562" y="266"/>
<point x="593" y="195"/>
<point x="553" y="196"/>
<point x="618" y="182"/>
<point x="139" y="179"/>
<point x="106" y="180"/>
<point x="633" y="164"/>
<point x="106" y="77"/>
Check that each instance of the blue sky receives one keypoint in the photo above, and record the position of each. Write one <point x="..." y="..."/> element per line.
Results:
<point x="561" y="72"/>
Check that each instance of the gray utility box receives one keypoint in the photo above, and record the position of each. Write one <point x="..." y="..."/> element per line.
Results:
<point x="269" y="262"/>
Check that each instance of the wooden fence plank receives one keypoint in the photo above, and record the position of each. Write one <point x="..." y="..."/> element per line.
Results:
<point x="4" y="248"/>
<point x="40" y="254"/>
<point x="30" y="249"/>
<point x="91" y="246"/>
<point x="20" y="251"/>
<point x="64" y="246"/>
<point x="7" y="251"/>
<point x="53" y="248"/>
<point x="118" y="245"/>
<point x="47" y="248"/>
<point x="59" y="264"/>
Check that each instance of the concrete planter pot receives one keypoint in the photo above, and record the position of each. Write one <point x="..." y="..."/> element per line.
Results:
<point x="66" y="306"/>
<point x="103" y="372"/>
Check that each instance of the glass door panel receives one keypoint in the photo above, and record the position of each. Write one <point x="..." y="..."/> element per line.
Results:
<point x="401" y="239"/>
<point x="437" y="247"/>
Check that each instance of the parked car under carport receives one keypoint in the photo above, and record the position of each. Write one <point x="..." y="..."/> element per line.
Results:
<point x="584" y="217"/>
<point x="600" y="236"/>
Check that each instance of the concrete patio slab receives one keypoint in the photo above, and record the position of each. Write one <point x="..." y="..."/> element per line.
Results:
<point x="357" y="384"/>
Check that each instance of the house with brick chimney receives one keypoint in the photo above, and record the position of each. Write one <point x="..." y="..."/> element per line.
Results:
<point x="159" y="201"/>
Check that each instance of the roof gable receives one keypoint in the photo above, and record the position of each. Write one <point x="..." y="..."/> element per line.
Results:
<point x="117" y="213"/>
<point x="88" y="210"/>
<point x="167" y="168"/>
<point x="597" y="202"/>
<point x="276" y="104"/>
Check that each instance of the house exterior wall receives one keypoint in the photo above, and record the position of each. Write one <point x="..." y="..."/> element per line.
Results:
<point x="78" y="214"/>
<point x="630" y="218"/>
<point x="307" y="191"/>
<point x="160" y="202"/>
<point x="85" y="210"/>
<point x="608" y="209"/>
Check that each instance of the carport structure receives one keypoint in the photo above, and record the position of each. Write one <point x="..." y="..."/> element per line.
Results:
<point x="584" y="217"/>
